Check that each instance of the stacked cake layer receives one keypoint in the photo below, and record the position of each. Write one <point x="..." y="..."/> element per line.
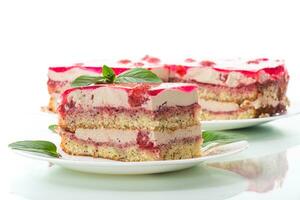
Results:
<point x="61" y="77"/>
<point x="236" y="89"/>
<point x="131" y="122"/>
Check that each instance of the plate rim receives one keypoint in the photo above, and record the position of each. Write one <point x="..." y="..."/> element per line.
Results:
<point x="106" y="162"/>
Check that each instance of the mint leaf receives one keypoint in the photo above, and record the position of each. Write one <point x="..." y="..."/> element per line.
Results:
<point x="38" y="146"/>
<point x="86" y="80"/>
<point x="137" y="75"/>
<point x="53" y="128"/>
<point x="108" y="74"/>
<point x="217" y="138"/>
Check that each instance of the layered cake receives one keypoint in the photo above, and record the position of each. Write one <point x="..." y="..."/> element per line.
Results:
<point x="131" y="122"/>
<point x="236" y="89"/>
<point x="228" y="89"/>
<point x="61" y="77"/>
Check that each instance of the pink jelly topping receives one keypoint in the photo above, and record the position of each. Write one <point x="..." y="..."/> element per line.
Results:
<point x="120" y="70"/>
<point x="151" y="59"/>
<point x="138" y="64"/>
<point x="207" y="63"/>
<point x="117" y="70"/>
<point x="274" y="72"/>
<point x="183" y="88"/>
<point x="179" y="69"/>
<point x="251" y="68"/>
<point x="190" y="60"/>
<point x="257" y="61"/>
<point x="138" y="93"/>
<point x="124" y="61"/>
<point x="96" y="69"/>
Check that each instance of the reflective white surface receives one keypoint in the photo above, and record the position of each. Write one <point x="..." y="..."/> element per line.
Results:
<point x="268" y="168"/>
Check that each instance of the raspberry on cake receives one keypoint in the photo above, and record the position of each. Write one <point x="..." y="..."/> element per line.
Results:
<point x="60" y="78"/>
<point x="236" y="89"/>
<point x="131" y="122"/>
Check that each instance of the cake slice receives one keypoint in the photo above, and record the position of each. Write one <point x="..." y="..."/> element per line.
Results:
<point x="60" y="77"/>
<point x="236" y="89"/>
<point x="131" y="122"/>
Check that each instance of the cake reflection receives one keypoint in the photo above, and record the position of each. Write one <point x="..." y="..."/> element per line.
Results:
<point x="264" y="173"/>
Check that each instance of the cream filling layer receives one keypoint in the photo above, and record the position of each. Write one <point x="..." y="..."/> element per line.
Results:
<point x="218" y="106"/>
<point x="211" y="76"/>
<point x="118" y="97"/>
<point x="130" y="136"/>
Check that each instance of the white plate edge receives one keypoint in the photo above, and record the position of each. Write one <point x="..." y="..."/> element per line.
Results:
<point x="146" y="163"/>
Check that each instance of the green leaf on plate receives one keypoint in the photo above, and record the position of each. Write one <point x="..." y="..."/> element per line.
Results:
<point x="134" y="75"/>
<point x="53" y="128"/>
<point x="137" y="75"/>
<point x="38" y="146"/>
<point x="211" y="138"/>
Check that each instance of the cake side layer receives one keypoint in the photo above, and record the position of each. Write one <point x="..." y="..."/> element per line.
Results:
<point x="230" y="73"/>
<point x="165" y="118"/>
<point x="240" y="114"/>
<point x="246" y="113"/>
<point x="241" y="103"/>
<point x="148" y="96"/>
<point x="183" y="149"/>
<point x="127" y="137"/>
<point x="268" y="93"/>
<point x="53" y="102"/>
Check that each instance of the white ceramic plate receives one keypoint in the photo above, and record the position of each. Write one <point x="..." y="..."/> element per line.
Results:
<point x="104" y="166"/>
<point x="216" y="125"/>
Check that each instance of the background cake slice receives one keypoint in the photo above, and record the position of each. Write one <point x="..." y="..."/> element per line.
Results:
<point x="236" y="89"/>
<point x="131" y="122"/>
<point x="60" y="78"/>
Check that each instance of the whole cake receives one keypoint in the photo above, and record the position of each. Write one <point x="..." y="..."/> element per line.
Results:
<point x="61" y="77"/>
<point x="131" y="122"/>
<point x="236" y="89"/>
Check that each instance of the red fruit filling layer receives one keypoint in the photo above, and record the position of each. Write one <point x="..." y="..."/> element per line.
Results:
<point x="142" y="141"/>
<point x="55" y="86"/>
<point x="162" y="112"/>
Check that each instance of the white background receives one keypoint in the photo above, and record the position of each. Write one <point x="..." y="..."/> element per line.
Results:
<point x="36" y="34"/>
